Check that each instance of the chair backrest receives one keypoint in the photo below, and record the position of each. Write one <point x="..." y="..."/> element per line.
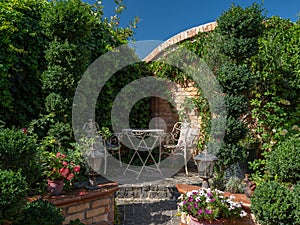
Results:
<point x="188" y="134"/>
<point x="113" y="142"/>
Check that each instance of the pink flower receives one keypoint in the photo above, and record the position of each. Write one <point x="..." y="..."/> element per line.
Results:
<point x="207" y="211"/>
<point x="82" y="193"/>
<point x="76" y="169"/>
<point x="24" y="130"/>
<point x="65" y="163"/>
<point x="65" y="172"/>
<point x="70" y="176"/>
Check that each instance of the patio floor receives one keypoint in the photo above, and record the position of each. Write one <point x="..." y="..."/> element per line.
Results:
<point x="155" y="202"/>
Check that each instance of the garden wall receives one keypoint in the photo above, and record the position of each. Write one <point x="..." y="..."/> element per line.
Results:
<point x="91" y="207"/>
<point x="161" y="108"/>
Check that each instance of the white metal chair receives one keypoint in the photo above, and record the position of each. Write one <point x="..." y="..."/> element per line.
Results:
<point x="113" y="144"/>
<point x="182" y="139"/>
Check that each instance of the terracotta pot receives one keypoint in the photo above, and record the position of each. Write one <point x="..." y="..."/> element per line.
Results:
<point x="55" y="187"/>
<point x="194" y="221"/>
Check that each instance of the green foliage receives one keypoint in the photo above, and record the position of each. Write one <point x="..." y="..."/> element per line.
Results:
<point x="21" y="60"/>
<point x="140" y="113"/>
<point x="12" y="195"/>
<point x="275" y="99"/>
<point x="76" y="222"/>
<point x="283" y="163"/>
<point x="296" y="202"/>
<point x="71" y="20"/>
<point x="272" y="204"/>
<point x="234" y="185"/>
<point x="116" y="213"/>
<point x="239" y="29"/>
<point x="19" y="151"/>
<point x="41" y="212"/>
<point x="235" y="79"/>
<point x="236" y="39"/>
<point x="236" y="105"/>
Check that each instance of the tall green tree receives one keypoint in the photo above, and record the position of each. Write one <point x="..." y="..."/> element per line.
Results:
<point x="237" y="37"/>
<point x="21" y="61"/>
<point x="78" y="34"/>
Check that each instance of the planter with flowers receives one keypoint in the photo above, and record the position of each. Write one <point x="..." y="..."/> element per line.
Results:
<point x="59" y="171"/>
<point x="206" y="206"/>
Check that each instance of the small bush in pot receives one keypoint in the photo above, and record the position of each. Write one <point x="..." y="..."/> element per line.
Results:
<point x="12" y="195"/>
<point x="272" y="204"/>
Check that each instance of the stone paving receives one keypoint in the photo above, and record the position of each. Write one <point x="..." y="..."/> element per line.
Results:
<point x="152" y="203"/>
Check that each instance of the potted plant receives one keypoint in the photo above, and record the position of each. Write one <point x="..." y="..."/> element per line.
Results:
<point x="59" y="170"/>
<point x="207" y="206"/>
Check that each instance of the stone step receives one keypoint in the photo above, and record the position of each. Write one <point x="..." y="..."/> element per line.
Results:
<point x="158" y="190"/>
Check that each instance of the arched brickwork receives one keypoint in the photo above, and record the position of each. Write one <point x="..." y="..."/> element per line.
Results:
<point x="187" y="34"/>
<point x="162" y="108"/>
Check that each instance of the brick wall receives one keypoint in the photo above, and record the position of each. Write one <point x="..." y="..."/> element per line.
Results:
<point x="93" y="208"/>
<point x="161" y="108"/>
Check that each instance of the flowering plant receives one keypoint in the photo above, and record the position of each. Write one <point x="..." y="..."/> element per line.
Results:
<point x="59" y="167"/>
<point x="209" y="205"/>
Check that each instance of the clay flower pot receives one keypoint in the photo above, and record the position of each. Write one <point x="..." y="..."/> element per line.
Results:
<point x="55" y="187"/>
<point x="194" y="221"/>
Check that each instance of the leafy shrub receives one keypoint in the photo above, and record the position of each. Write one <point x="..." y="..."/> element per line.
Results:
<point x="296" y="202"/>
<point x="272" y="204"/>
<point x="240" y="29"/>
<point x="234" y="185"/>
<point x="41" y="212"/>
<point x="284" y="162"/>
<point x="18" y="151"/>
<point x="12" y="195"/>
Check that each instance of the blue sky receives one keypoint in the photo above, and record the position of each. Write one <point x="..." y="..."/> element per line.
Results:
<point x="162" y="19"/>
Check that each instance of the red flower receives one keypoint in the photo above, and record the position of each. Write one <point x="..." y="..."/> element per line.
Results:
<point x="65" y="172"/>
<point x="70" y="176"/>
<point x="76" y="169"/>
<point x="65" y="163"/>
<point x="24" y="130"/>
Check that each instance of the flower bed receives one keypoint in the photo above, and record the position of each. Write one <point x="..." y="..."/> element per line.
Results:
<point x="245" y="202"/>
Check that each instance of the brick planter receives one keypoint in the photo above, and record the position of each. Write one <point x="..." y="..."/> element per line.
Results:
<point x="92" y="207"/>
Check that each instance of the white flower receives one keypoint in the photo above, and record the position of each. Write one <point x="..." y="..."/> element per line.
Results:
<point x="295" y="127"/>
<point x="243" y="213"/>
<point x="284" y="132"/>
<point x="189" y="194"/>
<point x="274" y="130"/>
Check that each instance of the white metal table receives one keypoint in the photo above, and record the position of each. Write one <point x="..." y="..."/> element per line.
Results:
<point x="143" y="140"/>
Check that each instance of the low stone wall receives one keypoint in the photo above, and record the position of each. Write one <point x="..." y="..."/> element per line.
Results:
<point x="91" y="207"/>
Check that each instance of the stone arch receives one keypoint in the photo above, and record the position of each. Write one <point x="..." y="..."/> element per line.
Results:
<point x="161" y="108"/>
